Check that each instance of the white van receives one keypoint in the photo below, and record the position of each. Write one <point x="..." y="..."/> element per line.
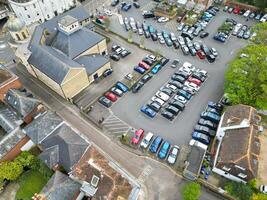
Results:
<point x="197" y="143"/>
<point x="146" y="141"/>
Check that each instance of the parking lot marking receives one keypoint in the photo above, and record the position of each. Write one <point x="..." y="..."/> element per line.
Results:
<point x="171" y="25"/>
<point x="115" y="126"/>
<point x="145" y="173"/>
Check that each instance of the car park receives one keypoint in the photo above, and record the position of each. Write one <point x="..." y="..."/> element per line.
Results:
<point x="210" y="116"/>
<point x="148" y="111"/>
<point x="173" y="155"/>
<point x="201" y="137"/>
<point x="164" y="150"/>
<point x="155" y="144"/>
<point x="105" y="101"/>
<point x="116" y="91"/>
<point x="138" y="135"/>
<point x="168" y="115"/>
<point x="111" y="96"/>
<point x="137" y="87"/>
<point x="146" y="141"/>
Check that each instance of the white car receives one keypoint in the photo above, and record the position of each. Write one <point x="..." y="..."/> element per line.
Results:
<point x="203" y="72"/>
<point x="263" y="18"/>
<point x="108" y="12"/>
<point x="161" y="40"/>
<point x="173" y="37"/>
<point x="152" y="57"/>
<point x="246" y="14"/>
<point x="162" y="96"/>
<point x="163" y="19"/>
<point x="146" y="141"/>
<point x="172" y="87"/>
<point x="158" y="100"/>
<point x="236" y="29"/>
<point x="181" y="40"/>
<point x="173" y="154"/>
<point x="180" y="98"/>
<point x="197" y="143"/>
<point x="191" y="85"/>
<point x="214" y="52"/>
<point x="263" y="189"/>
<point x="140" y="31"/>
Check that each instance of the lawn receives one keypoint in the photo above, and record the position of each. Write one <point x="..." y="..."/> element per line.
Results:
<point x="30" y="182"/>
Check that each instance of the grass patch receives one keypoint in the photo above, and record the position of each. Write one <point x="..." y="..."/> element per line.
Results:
<point x="30" y="182"/>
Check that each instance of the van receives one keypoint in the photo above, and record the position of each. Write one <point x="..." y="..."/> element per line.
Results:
<point x="146" y="141"/>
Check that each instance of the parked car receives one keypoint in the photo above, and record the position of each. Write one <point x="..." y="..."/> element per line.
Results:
<point x="163" y="19"/>
<point x="162" y="96"/>
<point x="201" y="54"/>
<point x="137" y="86"/>
<point x="210" y="116"/>
<point x="168" y="115"/>
<point x="166" y="90"/>
<point x="158" y="100"/>
<point x="213" y="110"/>
<point x="154" y="106"/>
<point x="155" y="144"/>
<point x="216" y="106"/>
<point x="207" y="123"/>
<point x="178" y="78"/>
<point x="180" y="26"/>
<point x="181" y="73"/>
<point x="122" y="87"/>
<point x="116" y="91"/>
<point x="125" y="53"/>
<point x="138" y="135"/>
<point x="136" y="4"/>
<point x="175" y="63"/>
<point x="144" y="65"/>
<point x="263" y="189"/>
<point x="114" y="3"/>
<point x="146" y="141"/>
<point x="201" y="137"/>
<point x="139" y="69"/>
<point x="185" y="49"/>
<point x="164" y="61"/>
<point x="211" y="58"/>
<point x="194" y="80"/>
<point x="148" y="111"/>
<point x="146" y="78"/>
<point x="107" y="72"/>
<point x="180" y="99"/>
<point x="177" y="104"/>
<point x="173" y="155"/>
<point x="204" y="34"/>
<point x="175" y="83"/>
<point x="105" y="101"/>
<point x="214" y="52"/>
<point x="184" y="94"/>
<point x="156" y="68"/>
<point x="126" y="7"/>
<point x="164" y="150"/>
<point x="202" y="129"/>
<point x="111" y="96"/>
<point x="115" y="57"/>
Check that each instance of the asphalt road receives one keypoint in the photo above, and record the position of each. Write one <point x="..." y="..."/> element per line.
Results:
<point x="179" y="131"/>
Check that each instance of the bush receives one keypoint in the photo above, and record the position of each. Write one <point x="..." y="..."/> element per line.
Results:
<point x="10" y="170"/>
<point x="239" y="190"/>
<point x="191" y="191"/>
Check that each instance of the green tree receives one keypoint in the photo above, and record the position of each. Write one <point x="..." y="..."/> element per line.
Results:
<point x="261" y="4"/>
<point x="25" y="158"/>
<point x="191" y="191"/>
<point x="261" y="33"/>
<point x="239" y="190"/>
<point x="253" y="184"/>
<point x="259" y="196"/>
<point x="246" y="78"/>
<point x="10" y="170"/>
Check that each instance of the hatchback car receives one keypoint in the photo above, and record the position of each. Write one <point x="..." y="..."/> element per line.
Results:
<point x="207" y="123"/>
<point x="137" y="86"/>
<point x="175" y="83"/>
<point x="105" y="101"/>
<point x="201" y="137"/>
<point x="172" y="109"/>
<point x="114" y="57"/>
<point x="154" y="106"/>
<point x="202" y="129"/>
<point x="164" y="61"/>
<point x="122" y="87"/>
<point x="166" y="90"/>
<point x="139" y="69"/>
<point x="175" y="63"/>
<point x="148" y="111"/>
<point x="180" y="99"/>
<point x="138" y="135"/>
<point x="194" y="80"/>
<point x="204" y="34"/>
<point x="173" y="154"/>
<point x="146" y="78"/>
<point x="212" y="110"/>
<point x="201" y="54"/>
<point x="155" y="144"/>
<point x="210" y="116"/>
<point x="111" y="96"/>
<point x="164" y="150"/>
<point x="116" y="91"/>
<point x="144" y="65"/>
<point x="168" y="115"/>
<point x="156" y="69"/>
<point x="217" y="106"/>
<point x="177" y="104"/>
<point x="184" y="94"/>
<point x="178" y="78"/>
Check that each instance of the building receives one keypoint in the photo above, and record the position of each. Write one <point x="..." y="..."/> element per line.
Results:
<point x="32" y="11"/>
<point x="66" y="55"/>
<point x="7" y="80"/>
<point x="236" y="147"/>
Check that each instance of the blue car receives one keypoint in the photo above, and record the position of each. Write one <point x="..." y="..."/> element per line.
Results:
<point x="155" y="144"/>
<point x="139" y="69"/>
<point x="151" y="29"/>
<point x="148" y="111"/>
<point x="122" y="87"/>
<point x="165" y="34"/>
<point x="156" y="69"/>
<point x="164" y="150"/>
<point x="184" y="94"/>
<point x="201" y="137"/>
<point x="210" y="116"/>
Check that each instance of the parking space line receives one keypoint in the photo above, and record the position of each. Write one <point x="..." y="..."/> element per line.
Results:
<point x="145" y="173"/>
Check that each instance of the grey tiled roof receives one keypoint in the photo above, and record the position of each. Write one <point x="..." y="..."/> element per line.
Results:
<point x="21" y="102"/>
<point x="64" y="147"/>
<point x="74" y="44"/>
<point x="41" y="127"/>
<point x="60" y="187"/>
<point x="9" y="120"/>
<point x="92" y="63"/>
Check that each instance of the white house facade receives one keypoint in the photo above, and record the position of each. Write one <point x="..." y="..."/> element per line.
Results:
<point x="32" y="11"/>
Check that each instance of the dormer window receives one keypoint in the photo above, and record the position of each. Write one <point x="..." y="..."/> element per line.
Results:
<point x="242" y="175"/>
<point x="15" y="102"/>
<point x="225" y="168"/>
<point x="8" y="97"/>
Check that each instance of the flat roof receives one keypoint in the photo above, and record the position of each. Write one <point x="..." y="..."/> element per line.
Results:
<point x="195" y="159"/>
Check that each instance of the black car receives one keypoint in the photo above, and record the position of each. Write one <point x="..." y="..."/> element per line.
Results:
<point x="172" y="110"/>
<point x="178" y="78"/>
<point x="146" y="78"/>
<point x="148" y="15"/>
<point x="105" y="101"/>
<point x="168" y="115"/>
<point x="185" y="34"/>
<point x="164" y="61"/>
<point x="107" y="72"/>
<point x="208" y="124"/>
<point x="176" y="84"/>
<point x="114" y="57"/>
<point x="211" y="58"/>
<point x="154" y="36"/>
<point x="137" y="87"/>
<point x="181" y="73"/>
<point x="177" y="104"/>
<point x="167" y="91"/>
<point x="136" y="5"/>
<point x="176" y="44"/>
<point x="154" y="106"/>
<point x="198" y="76"/>
<point x="202" y="129"/>
<point x="148" y="61"/>
<point x="204" y="34"/>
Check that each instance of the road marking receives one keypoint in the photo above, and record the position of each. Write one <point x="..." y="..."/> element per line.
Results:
<point x="145" y="173"/>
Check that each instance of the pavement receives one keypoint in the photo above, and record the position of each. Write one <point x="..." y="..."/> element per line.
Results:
<point x="148" y="172"/>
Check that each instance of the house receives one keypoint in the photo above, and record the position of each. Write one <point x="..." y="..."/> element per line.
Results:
<point x="7" y="80"/>
<point x="24" y="104"/>
<point x="39" y="10"/>
<point x="194" y="161"/>
<point x="236" y="147"/>
<point x="61" y="146"/>
<point x="65" y="54"/>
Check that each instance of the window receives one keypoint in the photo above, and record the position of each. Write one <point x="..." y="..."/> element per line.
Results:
<point x="17" y="35"/>
<point x="37" y="14"/>
<point x="239" y="167"/>
<point x="242" y="175"/>
<point x="48" y="16"/>
<point x="25" y="8"/>
<point x="226" y="168"/>
<point x="15" y="102"/>
<point x="24" y="35"/>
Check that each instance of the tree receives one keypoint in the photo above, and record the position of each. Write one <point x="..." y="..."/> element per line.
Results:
<point x="259" y="196"/>
<point x="258" y="3"/>
<point x="261" y="33"/>
<point x="25" y="159"/>
<point x="191" y="191"/>
<point x="10" y="170"/>
<point x="239" y="190"/>
<point x="246" y="78"/>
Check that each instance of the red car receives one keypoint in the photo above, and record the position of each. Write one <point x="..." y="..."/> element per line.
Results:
<point x="201" y="54"/>
<point x="112" y="97"/>
<point x="236" y="10"/>
<point x="194" y="80"/>
<point x="144" y="65"/>
<point x="138" y="135"/>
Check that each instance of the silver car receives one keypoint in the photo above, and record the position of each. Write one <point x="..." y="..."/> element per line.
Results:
<point x="173" y="155"/>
